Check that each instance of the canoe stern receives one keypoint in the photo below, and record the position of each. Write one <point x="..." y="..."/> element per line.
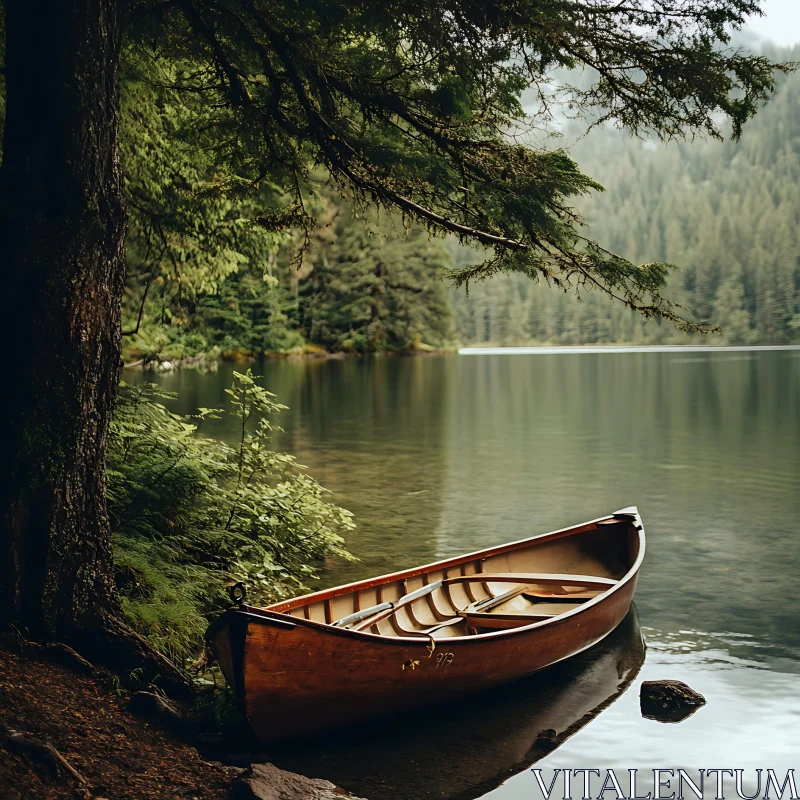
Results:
<point x="225" y="637"/>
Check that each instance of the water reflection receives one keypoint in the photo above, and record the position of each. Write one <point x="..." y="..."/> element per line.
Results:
<point x="442" y="455"/>
<point x="463" y="749"/>
<point x="708" y="451"/>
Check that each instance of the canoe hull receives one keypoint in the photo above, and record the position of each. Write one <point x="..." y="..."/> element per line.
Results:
<point x="465" y="748"/>
<point x="295" y="676"/>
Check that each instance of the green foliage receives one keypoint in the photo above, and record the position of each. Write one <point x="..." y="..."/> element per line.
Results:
<point x="725" y="211"/>
<point x="250" y="312"/>
<point x="375" y="286"/>
<point x="190" y="513"/>
<point x="363" y="285"/>
<point x="728" y="212"/>
<point x="194" y="221"/>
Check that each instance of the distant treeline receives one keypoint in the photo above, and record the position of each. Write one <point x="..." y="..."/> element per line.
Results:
<point x="726" y="212"/>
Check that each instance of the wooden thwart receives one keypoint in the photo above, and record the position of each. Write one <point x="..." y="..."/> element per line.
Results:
<point x="540" y="578"/>
<point x="478" y="620"/>
<point x="479" y="615"/>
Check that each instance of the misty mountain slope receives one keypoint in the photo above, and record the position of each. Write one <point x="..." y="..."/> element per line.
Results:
<point x="726" y="212"/>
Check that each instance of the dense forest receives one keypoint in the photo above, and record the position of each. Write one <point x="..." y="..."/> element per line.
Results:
<point x="212" y="270"/>
<point x="726" y="213"/>
<point x="359" y="287"/>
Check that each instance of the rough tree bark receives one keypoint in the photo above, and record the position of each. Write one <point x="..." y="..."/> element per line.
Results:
<point x="62" y="226"/>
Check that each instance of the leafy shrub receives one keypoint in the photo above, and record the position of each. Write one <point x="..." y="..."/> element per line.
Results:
<point x="191" y="514"/>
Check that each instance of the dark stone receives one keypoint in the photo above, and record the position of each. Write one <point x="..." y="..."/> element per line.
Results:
<point x="267" y="782"/>
<point x="546" y="741"/>
<point x="158" y="709"/>
<point x="231" y="770"/>
<point x="669" y="701"/>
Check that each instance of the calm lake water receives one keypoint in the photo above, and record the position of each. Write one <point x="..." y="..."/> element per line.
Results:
<point x="446" y="454"/>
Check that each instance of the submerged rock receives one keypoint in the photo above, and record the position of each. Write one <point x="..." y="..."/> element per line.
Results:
<point x="669" y="701"/>
<point x="267" y="782"/>
<point x="547" y="740"/>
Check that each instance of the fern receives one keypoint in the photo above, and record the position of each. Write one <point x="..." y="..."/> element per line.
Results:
<point x="191" y="514"/>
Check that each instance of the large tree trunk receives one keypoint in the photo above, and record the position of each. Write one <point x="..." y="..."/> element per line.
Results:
<point x="62" y="225"/>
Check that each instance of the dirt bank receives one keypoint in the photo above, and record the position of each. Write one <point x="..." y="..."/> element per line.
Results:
<point x="119" y="755"/>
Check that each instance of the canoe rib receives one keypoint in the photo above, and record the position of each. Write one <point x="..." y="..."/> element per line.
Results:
<point x="375" y="611"/>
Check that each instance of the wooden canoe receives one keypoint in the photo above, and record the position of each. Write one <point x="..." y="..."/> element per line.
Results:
<point x="427" y="634"/>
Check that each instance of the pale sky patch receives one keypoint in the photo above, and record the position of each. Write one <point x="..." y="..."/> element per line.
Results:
<point x="781" y="23"/>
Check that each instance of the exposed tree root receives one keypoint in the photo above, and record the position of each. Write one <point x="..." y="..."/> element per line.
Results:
<point x="109" y="643"/>
<point x="112" y="644"/>
<point x="56" y="653"/>
<point x="44" y="752"/>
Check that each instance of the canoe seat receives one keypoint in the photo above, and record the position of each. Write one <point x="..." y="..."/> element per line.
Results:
<point x="543" y="605"/>
<point x="539" y="578"/>
<point x="506" y="616"/>
<point x="477" y="619"/>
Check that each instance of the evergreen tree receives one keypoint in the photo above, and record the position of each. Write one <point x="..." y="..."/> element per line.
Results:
<point x="375" y="287"/>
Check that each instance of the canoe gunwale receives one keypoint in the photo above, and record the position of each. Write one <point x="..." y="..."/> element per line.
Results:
<point x="272" y="616"/>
